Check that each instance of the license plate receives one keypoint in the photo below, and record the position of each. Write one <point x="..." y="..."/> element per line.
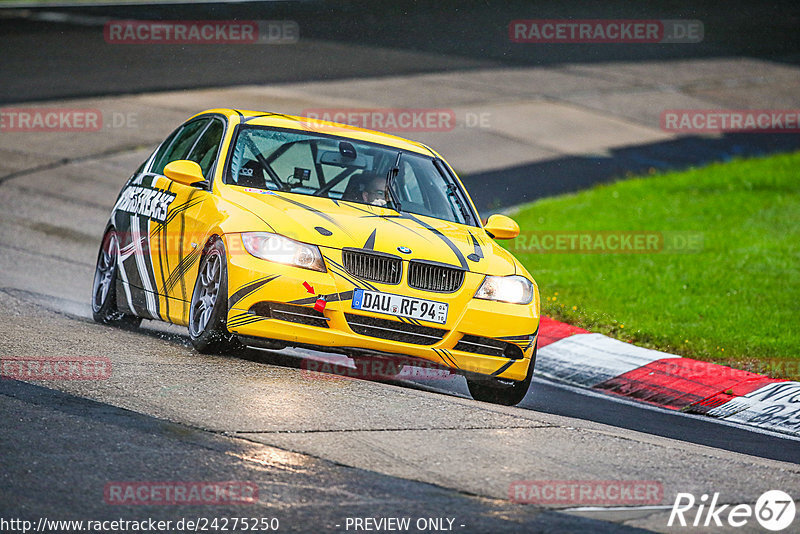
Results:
<point x="411" y="307"/>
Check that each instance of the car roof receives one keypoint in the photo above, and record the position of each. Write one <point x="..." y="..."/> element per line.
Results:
<point x="312" y="125"/>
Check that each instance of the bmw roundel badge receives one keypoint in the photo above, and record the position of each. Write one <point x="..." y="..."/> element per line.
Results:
<point x="404" y="250"/>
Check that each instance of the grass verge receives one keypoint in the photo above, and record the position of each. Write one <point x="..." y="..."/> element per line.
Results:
<point x="722" y="285"/>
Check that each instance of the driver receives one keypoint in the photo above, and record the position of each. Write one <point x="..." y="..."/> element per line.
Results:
<point x="375" y="192"/>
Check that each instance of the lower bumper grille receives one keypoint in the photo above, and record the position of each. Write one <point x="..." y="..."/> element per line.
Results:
<point x="489" y="347"/>
<point x="394" y="330"/>
<point x="290" y="313"/>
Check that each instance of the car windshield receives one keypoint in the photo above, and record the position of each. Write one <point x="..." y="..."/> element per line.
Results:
<point x="342" y="169"/>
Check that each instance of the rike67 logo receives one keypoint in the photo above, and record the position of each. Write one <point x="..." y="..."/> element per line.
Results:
<point x="774" y="510"/>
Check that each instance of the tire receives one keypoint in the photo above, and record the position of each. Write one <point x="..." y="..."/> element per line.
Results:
<point x="207" y="313"/>
<point x="104" y="286"/>
<point x="504" y="392"/>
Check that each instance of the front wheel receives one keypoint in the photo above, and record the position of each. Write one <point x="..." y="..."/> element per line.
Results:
<point x="207" y="322"/>
<point x="500" y="391"/>
<point x="104" y="287"/>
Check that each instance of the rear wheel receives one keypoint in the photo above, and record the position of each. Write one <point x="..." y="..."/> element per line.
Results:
<point x="104" y="287"/>
<point x="207" y="322"/>
<point x="501" y="391"/>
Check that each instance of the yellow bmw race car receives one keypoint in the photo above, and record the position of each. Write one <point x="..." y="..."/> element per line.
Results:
<point x="272" y="230"/>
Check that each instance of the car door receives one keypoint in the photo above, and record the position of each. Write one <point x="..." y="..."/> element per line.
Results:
<point x="161" y="248"/>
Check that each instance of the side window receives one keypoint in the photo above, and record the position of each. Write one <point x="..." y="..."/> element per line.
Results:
<point x="163" y="147"/>
<point x="205" y="148"/>
<point x="179" y="146"/>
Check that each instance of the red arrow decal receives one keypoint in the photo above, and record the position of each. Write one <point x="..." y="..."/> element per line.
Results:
<point x="308" y="287"/>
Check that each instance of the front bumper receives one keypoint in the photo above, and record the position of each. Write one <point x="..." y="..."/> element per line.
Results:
<point x="272" y="301"/>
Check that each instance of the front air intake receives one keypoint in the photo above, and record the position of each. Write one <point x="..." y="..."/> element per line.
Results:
<point x="437" y="277"/>
<point x="372" y="266"/>
<point x="394" y="330"/>
<point x="290" y="313"/>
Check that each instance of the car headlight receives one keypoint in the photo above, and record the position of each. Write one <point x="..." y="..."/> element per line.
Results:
<point x="514" y="289"/>
<point x="273" y="247"/>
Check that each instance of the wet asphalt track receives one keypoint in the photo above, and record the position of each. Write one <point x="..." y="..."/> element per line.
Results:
<point x="359" y="39"/>
<point x="82" y="445"/>
<point x="153" y="418"/>
<point x="361" y="448"/>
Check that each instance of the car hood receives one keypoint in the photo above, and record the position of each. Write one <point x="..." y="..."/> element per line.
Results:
<point x="338" y="224"/>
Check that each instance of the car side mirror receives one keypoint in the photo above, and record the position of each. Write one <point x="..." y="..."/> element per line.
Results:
<point x="184" y="172"/>
<point x="501" y="227"/>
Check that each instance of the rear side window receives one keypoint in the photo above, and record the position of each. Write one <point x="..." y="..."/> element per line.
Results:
<point x="179" y="146"/>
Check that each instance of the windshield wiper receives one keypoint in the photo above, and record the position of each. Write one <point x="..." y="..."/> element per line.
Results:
<point x="390" y="177"/>
<point x="452" y="192"/>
